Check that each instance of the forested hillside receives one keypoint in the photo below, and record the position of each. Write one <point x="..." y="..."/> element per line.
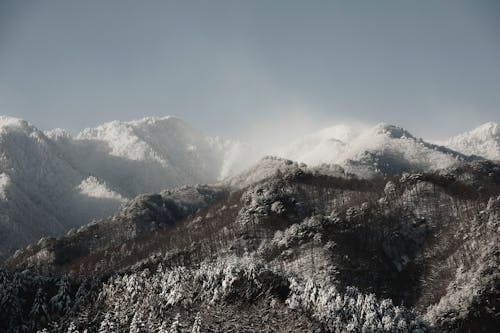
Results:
<point x="303" y="248"/>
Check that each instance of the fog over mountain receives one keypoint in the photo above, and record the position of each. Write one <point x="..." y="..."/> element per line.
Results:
<point x="249" y="166"/>
<point x="482" y="141"/>
<point x="54" y="181"/>
<point x="365" y="227"/>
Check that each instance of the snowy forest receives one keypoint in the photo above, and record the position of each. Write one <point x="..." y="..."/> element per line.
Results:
<point x="295" y="249"/>
<point x="249" y="166"/>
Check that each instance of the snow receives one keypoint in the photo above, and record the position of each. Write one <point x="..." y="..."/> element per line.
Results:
<point x="342" y="145"/>
<point x="4" y="184"/>
<point x="124" y="139"/>
<point x="482" y="141"/>
<point x="153" y="153"/>
<point x="11" y="123"/>
<point x="93" y="188"/>
<point x="52" y="181"/>
<point x="263" y="169"/>
<point x="325" y="146"/>
<point x="236" y="156"/>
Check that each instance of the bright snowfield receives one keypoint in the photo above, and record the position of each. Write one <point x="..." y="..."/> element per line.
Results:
<point x="53" y="181"/>
<point x="483" y="141"/>
<point x="367" y="151"/>
<point x="148" y="155"/>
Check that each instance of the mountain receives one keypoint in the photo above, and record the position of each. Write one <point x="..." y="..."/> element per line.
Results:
<point x="42" y="193"/>
<point x="482" y="141"/>
<point x="53" y="181"/>
<point x="284" y="247"/>
<point x="382" y="149"/>
<point x="148" y="155"/>
<point x="397" y="235"/>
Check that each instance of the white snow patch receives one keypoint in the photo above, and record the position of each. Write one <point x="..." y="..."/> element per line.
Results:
<point x="341" y="144"/>
<point x="94" y="188"/>
<point x="482" y="141"/>
<point x="4" y="184"/>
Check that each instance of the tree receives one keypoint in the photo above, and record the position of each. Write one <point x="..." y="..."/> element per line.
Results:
<point x="72" y="328"/>
<point x="136" y="324"/>
<point x="197" y="324"/>
<point x="39" y="315"/>
<point x="11" y="302"/>
<point x="175" y="326"/>
<point x="163" y="327"/>
<point x="61" y="302"/>
<point x="107" y="325"/>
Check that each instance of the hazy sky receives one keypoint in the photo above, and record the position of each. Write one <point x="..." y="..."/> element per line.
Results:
<point x="227" y="67"/>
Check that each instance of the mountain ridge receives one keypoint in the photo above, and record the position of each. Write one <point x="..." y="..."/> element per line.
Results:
<point x="67" y="180"/>
<point x="483" y="140"/>
<point x="411" y="252"/>
<point x="372" y="150"/>
<point x="54" y="181"/>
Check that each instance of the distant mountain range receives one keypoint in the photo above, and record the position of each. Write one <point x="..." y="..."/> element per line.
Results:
<point x="382" y="149"/>
<point x="53" y="181"/>
<point x="150" y="225"/>
<point x="482" y="141"/>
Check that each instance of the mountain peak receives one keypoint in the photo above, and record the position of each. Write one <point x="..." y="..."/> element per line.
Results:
<point x="8" y="122"/>
<point x="483" y="140"/>
<point x="145" y="122"/>
<point x="392" y="131"/>
<point x="489" y="129"/>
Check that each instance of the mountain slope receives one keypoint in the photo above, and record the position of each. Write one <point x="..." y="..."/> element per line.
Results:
<point x="482" y="141"/>
<point x="306" y="250"/>
<point x="382" y="149"/>
<point x="40" y="188"/>
<point x="51" y="182"/>
<point x="147" y="155"/>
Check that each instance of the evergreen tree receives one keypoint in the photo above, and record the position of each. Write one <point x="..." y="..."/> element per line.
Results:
<point x="135" y="324"/>
<point x="197" y="324"/>
<point x="61" y="302"/>
<point x="163" y="327"/>
<point x="11" y="303"/>
<point x="39" y="314"/>
<point x="81" y="294"/>
<point x="72" y="328"/>
<point x="175" y="327"/>
<point x="106" y="325"/>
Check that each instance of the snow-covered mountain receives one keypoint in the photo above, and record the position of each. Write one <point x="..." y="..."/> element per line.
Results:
<point x="53" y="181"/>
<point x="306" y="251"/>
<point x="148" y="155"/>
<point x="482" y="141"/>
<point x="384" y="148"/>
<point x="41" y="192"/>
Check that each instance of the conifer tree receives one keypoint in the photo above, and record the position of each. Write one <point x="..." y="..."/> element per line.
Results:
<point x="61" y="302"/>
<point x="197" y="324"/>
<point x="175" y="326"/>
<point x="107" y="325"/>
<point x="39" y="314"/>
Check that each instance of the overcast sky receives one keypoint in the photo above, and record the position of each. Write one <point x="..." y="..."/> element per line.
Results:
<point x="230" y="66"/>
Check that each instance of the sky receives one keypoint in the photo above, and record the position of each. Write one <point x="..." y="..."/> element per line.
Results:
<point x="231" y="68"/>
